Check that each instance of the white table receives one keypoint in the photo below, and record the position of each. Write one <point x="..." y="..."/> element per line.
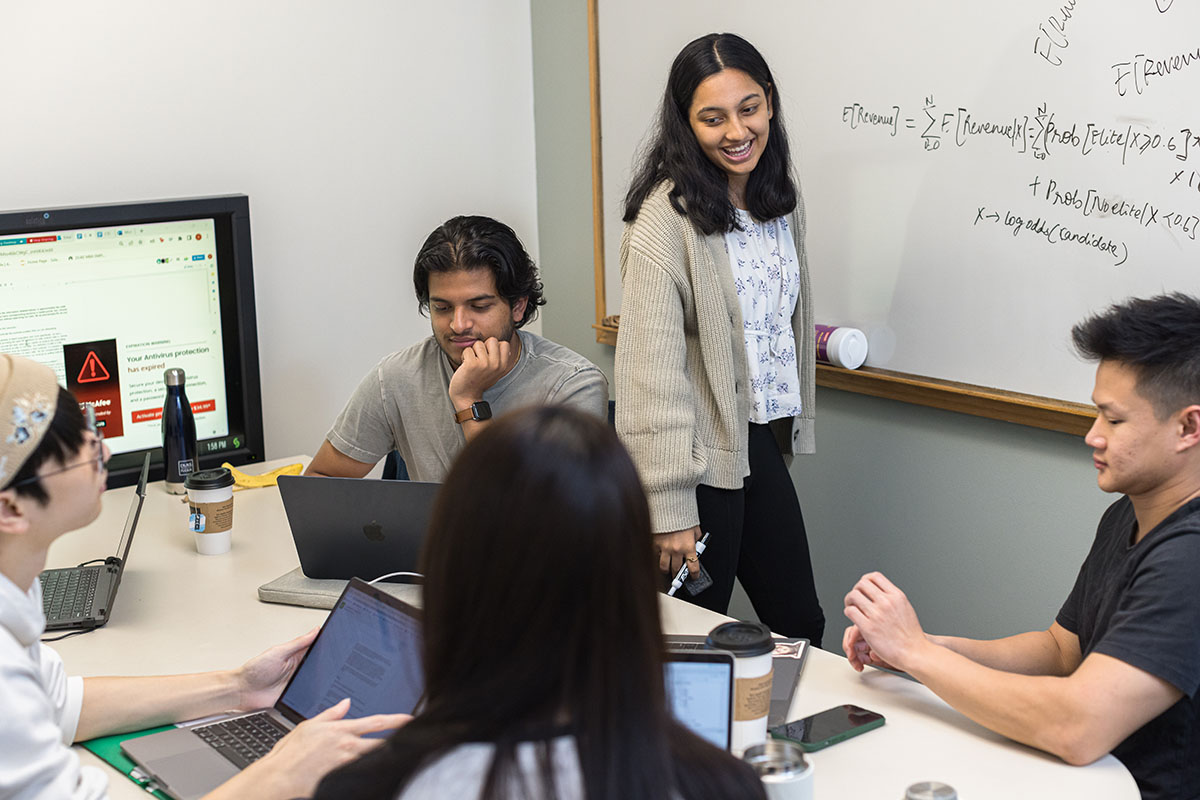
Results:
<point x="178" y="611"/>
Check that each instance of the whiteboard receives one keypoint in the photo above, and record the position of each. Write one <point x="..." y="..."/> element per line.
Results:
<point x="977" y="177"/>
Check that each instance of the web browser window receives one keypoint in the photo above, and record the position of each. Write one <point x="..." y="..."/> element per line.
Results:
<point x="110" y="308"/>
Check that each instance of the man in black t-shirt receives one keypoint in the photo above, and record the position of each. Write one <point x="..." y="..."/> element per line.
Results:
<point x="1119" y="669"/>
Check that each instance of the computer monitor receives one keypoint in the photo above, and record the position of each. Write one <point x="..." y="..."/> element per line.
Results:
<point x="110" y="296"/>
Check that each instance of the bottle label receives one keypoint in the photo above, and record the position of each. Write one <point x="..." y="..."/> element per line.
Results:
<point x="823" y="334"/>
<point x="186" y="466"/>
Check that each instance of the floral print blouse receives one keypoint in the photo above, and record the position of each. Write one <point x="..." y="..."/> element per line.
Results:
<point x="767" y="277"/>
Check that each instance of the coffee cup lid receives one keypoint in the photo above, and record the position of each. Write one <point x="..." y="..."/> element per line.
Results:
<point x="217" y="478"/>
<point x="742" y="638"/>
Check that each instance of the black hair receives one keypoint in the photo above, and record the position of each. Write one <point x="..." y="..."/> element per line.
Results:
<point x="62" y="440"/>
<point x="555" y="631"/>
<point x="1159" y="337"/>
<point x="473" y="242"/>
<point x="700" y="189"/>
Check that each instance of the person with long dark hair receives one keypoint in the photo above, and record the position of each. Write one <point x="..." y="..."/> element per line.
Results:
<point x="714" y="365"/>
<point x="543" y="643"/>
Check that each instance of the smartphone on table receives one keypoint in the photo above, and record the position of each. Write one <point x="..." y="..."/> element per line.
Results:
<point x="830" y="726"/>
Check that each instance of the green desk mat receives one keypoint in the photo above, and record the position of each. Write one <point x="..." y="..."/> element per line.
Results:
<point x="108" y="749"/>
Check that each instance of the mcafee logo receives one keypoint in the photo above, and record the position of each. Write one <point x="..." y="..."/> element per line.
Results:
<point x="373" y="531"/>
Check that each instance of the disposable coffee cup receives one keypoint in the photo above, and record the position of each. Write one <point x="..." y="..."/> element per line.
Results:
<point x="210" y="510"/>
<point x="751" y="645"/>
<point x="784" y="771"/>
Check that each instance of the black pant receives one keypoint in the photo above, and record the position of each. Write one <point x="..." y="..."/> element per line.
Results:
<point x="757" y="534"/>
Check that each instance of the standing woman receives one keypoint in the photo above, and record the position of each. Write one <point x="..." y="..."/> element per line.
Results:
<point x="714" y="364"/>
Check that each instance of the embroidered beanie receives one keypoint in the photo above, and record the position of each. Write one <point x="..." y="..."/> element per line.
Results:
<point x="28" y="398"/>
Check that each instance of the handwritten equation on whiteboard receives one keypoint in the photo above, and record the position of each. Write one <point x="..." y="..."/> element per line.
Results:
<point x="1039" y="134"/>
<point x="1087" y="216"/>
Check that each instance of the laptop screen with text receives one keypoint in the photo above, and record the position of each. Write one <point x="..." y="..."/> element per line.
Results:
<point x="368" y="650"/>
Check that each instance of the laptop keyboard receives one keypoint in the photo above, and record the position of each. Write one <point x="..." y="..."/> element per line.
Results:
<point x="242" y="740"/>
<point x="69" y="593"/>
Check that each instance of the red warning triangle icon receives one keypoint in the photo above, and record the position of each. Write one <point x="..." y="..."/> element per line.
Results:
<point x="93" y="371"/>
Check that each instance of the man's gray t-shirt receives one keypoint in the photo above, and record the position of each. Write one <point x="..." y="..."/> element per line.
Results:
<point x="404" y="404"/>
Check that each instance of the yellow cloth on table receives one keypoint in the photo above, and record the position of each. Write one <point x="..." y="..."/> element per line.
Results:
<point x="245" y="481"/>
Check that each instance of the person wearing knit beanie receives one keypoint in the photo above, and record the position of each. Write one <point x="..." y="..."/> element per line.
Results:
<point x="28" y="398"/>
<point x="52" y="477"/>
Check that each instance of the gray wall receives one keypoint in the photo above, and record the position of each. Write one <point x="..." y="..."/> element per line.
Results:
<point x="354" y="127"/>
<point x="982" y="523"/>
<point x="562" y="128"/>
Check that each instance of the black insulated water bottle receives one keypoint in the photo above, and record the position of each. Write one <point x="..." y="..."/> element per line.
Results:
<point x="179" y="432"/>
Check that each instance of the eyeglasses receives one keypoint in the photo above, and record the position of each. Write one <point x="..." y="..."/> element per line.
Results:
<point x="98" y="460"/>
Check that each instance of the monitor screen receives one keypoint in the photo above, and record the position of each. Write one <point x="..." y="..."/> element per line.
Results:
<point x="111" y="296"/>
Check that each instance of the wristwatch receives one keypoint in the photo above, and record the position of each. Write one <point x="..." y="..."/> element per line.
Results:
<point x="478" y="411"/>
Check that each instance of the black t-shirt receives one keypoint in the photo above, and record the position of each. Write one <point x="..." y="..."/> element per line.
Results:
<point x="1141" y="604"/>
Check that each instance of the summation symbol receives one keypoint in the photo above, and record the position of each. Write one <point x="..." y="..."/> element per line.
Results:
<point x="932" y="140"/>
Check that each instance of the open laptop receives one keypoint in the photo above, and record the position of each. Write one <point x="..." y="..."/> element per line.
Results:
<point x="81" y="598"/>
<point x="356" y="528"/>
<point x="369" y="650"/>
<point x="699" y="686"/>
<point x="787" y="663"/>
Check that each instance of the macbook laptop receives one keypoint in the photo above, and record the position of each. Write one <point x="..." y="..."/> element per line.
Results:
<point x="354" y="527"/>
<point x="369" y="650"/>
<point x="81" y="598"/>
<point x="787" y="662"/>
<point x="699" y="686"/>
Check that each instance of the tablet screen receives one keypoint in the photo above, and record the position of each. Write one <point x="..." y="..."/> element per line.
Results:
<point x="369" y="650"/>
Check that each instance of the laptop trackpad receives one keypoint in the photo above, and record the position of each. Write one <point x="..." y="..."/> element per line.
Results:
<point x="183" y="764"/>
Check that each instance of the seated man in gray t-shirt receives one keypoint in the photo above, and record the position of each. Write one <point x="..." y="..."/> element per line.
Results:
<point x="479" y="286"/>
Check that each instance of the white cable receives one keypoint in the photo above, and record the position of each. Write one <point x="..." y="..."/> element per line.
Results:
<point x="397" y="575"/>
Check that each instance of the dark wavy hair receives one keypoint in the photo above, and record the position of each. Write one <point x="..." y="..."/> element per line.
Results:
<point x="1159" y="337"/>
<point x="473" y="242"/>
<point x="700" y="189"/>
<point x="62" y="441"/>
<point x="554" y="630"/>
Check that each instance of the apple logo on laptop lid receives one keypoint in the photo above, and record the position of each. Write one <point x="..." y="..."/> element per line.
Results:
<point x="373" y="531"/>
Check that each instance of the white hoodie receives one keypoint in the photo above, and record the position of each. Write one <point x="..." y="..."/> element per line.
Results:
<point x="39" y="708"/>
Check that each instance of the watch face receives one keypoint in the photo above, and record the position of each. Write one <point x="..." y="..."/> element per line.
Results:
<point x="481" y="411"/>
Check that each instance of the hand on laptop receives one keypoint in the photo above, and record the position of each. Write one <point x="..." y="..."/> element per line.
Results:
<point x="261" y="679"/>
<point x="299" y="760"/>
